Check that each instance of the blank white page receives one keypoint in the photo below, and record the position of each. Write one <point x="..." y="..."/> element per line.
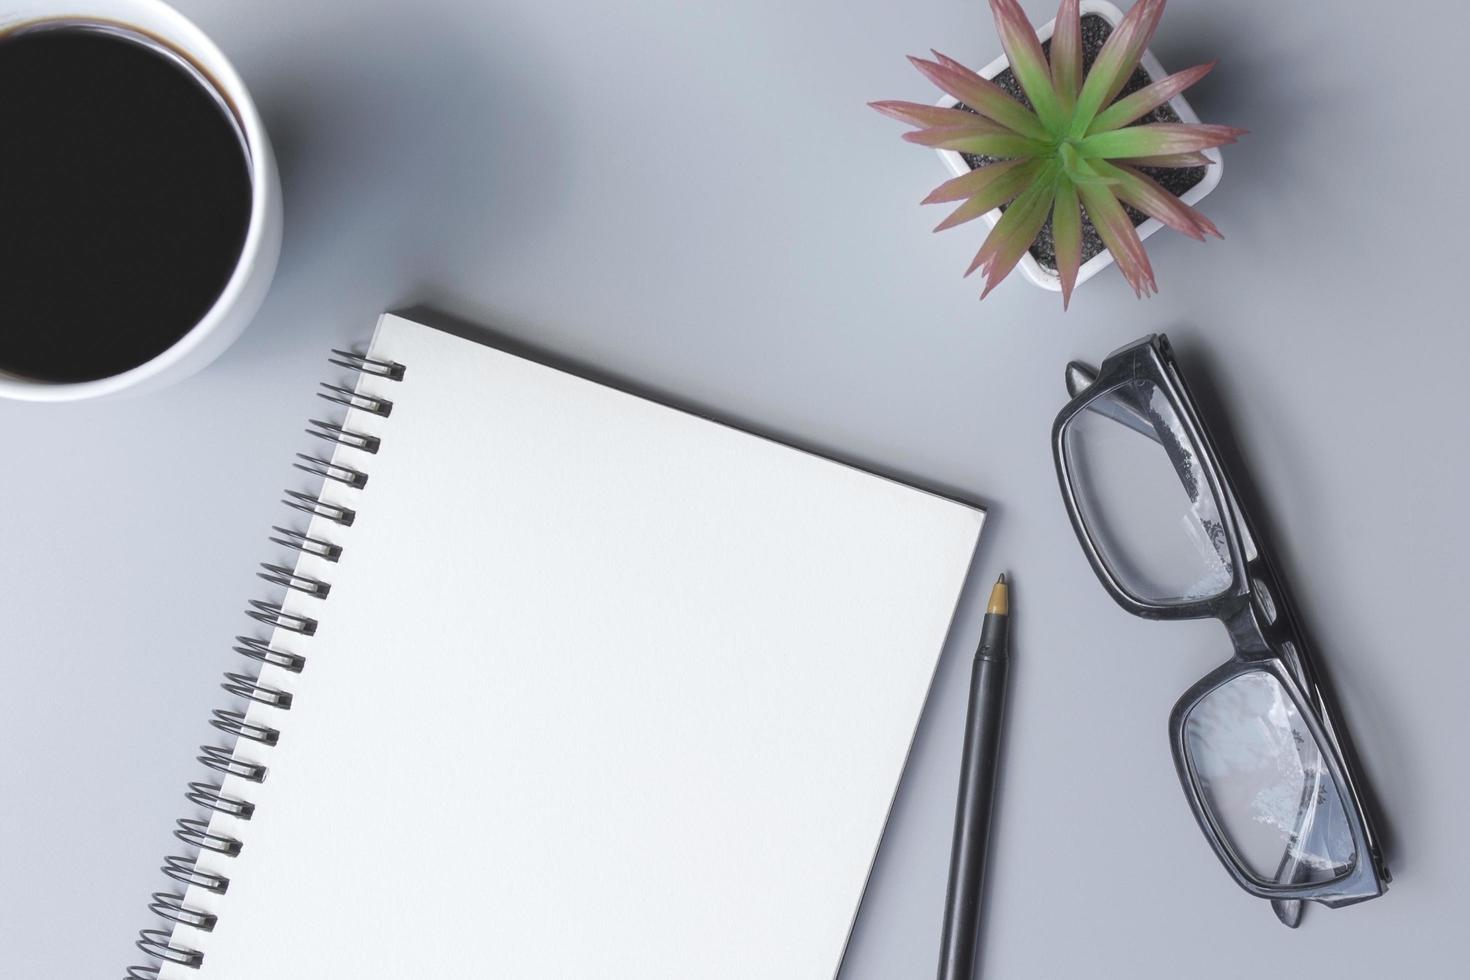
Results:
<point x="601" y="689"/>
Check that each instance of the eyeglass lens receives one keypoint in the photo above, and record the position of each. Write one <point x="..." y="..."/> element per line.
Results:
<point x="1263" y="780"/>
<point x="1144" y="496"/>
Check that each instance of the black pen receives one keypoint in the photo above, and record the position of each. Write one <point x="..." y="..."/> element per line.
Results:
<point x="959" y="945"/>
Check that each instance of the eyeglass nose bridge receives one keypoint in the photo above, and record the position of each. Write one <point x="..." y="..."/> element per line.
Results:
<point x="1248" y="634"/>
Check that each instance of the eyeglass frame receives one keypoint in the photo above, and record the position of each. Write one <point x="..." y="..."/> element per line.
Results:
<point x="1257" y="612"/>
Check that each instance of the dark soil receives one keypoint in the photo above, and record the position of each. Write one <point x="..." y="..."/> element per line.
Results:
<point x="1177" y="180"/>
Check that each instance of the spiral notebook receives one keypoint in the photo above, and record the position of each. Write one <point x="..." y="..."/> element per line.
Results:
<point x="556" y="681"/>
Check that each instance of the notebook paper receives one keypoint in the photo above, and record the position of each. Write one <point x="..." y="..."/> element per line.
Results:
<point x="600" y="689"/>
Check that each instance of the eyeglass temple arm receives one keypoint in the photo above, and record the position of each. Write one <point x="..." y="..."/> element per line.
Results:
<point x="1288" y="911"/>
<point x="1293" y="869"/>
<point x="1080" y="377"/>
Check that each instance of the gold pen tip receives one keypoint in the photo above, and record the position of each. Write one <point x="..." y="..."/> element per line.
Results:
<point x="1000" y="604"/>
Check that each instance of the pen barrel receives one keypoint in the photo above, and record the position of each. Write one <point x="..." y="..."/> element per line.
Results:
<point x="959" y="944"/>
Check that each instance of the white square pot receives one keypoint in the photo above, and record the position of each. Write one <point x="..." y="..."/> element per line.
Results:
<point x="1033" y="270"/>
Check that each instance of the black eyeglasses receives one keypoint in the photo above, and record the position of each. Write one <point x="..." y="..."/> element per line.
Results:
<point x="1259" y="745"/>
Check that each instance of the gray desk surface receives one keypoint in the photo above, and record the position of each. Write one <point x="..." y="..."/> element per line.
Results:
<point x="694" y="196"/>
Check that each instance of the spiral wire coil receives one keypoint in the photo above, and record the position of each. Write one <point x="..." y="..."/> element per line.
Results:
<point x="171" y="906"/>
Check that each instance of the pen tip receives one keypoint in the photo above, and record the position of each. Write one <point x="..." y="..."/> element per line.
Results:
<point x="1000" y="598"/>
<point x="1001" y="580"/>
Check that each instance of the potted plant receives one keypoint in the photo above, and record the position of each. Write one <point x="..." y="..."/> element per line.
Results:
<point x="1074" y="145"/>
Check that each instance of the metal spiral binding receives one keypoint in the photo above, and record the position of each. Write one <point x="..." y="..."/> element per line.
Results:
<point x="183" y="870"/>
<point x="274" y="615"/>
<point x="262" y="651"/>
<point x="391" y="370"/>
<point x="311" y="504"/>
<point x="306" y="544"/>
<point x="211" y="796"/>
<point x="350" y="398"/>
<point x="234" y="723"/>
<point x="196" y="833"/>
<point x="223" y="761"/>
<point x="157" y="942"/>
<point x="344" y="437"/>
<point x="172" y="907"/>
<point x="283" y="576"/>
<point x="315" y="465"/>
<point x="247" y="687"/>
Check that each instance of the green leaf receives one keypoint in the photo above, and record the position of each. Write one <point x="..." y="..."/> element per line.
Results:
<point x="1118" y="234"/>
<point x="931" y="116"/>
<point x="1077" y="169"/>
<point x="1147" y="99"/>
<point x="1150" y="197"/>
<point x="1168" y="160"/>
<point x="1015" y="231"/>
<point x="972" y="183"/>
<point x="960" y="122"/>
<point x="966" y="140"/>
<point x="1028" y="62"/>
<point x="986" y="98"/>
<point x="1066" y="55"/>
<point x="1066" y="231"/>
<point x="1157" y="139"/>
<point x="1015" y="178"/>
<point x="1115" y="62"/>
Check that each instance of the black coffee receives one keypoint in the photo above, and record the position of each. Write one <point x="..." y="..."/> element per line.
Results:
<point x="124" y="201"/>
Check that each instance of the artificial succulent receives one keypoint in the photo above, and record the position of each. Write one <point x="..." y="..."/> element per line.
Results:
<point x="1076" y="147"/>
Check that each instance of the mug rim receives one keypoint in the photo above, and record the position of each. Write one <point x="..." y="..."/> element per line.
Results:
<point x="188" y="41"/>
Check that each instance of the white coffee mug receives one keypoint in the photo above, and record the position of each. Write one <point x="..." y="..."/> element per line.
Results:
<point x="247" y="285"/>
